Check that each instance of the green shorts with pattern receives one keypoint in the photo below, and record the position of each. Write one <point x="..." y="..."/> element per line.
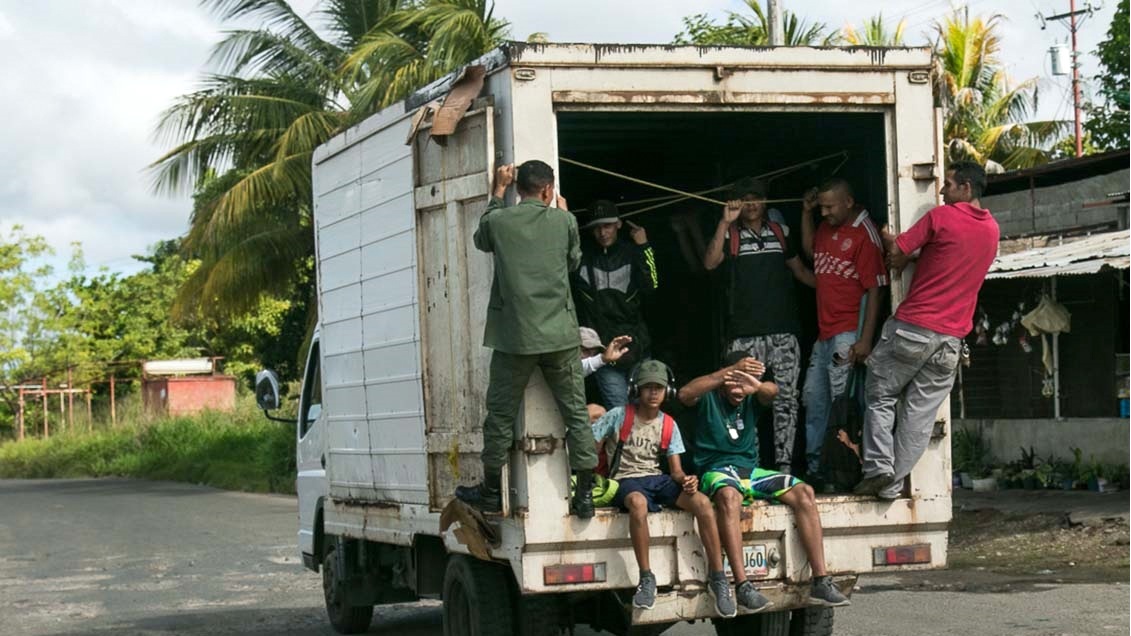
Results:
<point x="753" y="484"/>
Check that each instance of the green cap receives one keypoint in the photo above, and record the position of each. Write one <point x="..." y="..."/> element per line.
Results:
<point x="652" y="372"/>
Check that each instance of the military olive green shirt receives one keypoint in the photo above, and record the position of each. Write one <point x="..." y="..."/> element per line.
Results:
<point x="535" y="247"/>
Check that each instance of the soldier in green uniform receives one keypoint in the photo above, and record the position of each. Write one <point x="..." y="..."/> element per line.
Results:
<point x="531" y="322"/>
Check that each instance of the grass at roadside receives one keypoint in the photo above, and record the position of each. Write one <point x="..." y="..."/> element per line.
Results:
<point x="241" y="450"/>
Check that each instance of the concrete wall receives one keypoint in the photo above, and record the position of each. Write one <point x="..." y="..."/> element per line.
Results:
<point x="1057" y="208"/>
<point x="1105" y="438"/>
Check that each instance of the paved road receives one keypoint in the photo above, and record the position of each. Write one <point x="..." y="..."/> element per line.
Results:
<point x="132" y="557"/>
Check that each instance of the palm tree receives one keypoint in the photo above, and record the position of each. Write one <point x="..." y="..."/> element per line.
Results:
<point x="986" y="112"/>
<point x="875" y="33"/>
<point x="243" y="143"/>
<point x="419" y="44"/>
<point x="753" y="30"/>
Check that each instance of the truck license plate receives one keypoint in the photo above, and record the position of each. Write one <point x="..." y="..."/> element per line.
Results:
<point x="754" y="558"/>
<point x="754" y="561"/>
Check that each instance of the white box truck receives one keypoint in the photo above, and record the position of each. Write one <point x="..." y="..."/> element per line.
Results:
<point x="392" y="402"/>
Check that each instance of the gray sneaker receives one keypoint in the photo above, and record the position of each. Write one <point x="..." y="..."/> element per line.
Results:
<point x="719" y="587"/>
<point x="645" y="597"/>
<point x="750" y="598"/>
<point x="826" y="594"/>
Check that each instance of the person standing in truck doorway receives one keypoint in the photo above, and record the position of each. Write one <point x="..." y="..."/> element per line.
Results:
<point x="848" y="264"/>
<point x="912" y="369"/>
<point x="614" y="278"/>
<point x="761" y="312"/>
<point x="531" y="323"/>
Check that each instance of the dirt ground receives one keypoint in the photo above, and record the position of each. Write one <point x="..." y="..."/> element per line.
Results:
<point x="1010" y="539"/>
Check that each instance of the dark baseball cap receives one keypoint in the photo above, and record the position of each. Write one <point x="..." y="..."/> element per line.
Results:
<point x="652" y="372"/>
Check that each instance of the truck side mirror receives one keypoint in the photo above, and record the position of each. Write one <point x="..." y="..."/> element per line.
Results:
<point x="267" y="390"/>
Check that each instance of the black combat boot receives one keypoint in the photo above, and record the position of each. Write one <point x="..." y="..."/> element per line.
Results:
<point x="487" y="497"/>
<point x="582" y="503"/>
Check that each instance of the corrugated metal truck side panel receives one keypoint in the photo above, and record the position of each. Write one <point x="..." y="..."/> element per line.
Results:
<point x="369" y="311"/>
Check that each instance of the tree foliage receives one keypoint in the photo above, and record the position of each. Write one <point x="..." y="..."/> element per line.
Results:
<point x="875" y="32"/>
<point x="244" y="142"/>
<point x="987" y="113"/>
<point x="740" y="29"/>
<point x="1108" y="122"/>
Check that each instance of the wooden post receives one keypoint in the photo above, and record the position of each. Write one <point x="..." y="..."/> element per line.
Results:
<point x="70" y="401"/>
<point x="43" y="392"/>
<point x="62" y="412"/>
<point x="20" y="417"/>
<point x="113" y="415"/>
<point x="89" y="413"/>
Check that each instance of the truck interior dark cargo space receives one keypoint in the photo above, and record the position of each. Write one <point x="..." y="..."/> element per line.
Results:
<point x="696" y="151"/>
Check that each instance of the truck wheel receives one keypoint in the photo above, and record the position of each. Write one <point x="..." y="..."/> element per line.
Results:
<point x="346" y="619"/>
<point x="812" y="621"/>
<point x="475" y="599"/>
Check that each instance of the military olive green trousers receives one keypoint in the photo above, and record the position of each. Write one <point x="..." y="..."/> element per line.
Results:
<point x="509" y="376"/>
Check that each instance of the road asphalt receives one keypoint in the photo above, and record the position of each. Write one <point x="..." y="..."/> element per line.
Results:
<point x="116" y="556"/>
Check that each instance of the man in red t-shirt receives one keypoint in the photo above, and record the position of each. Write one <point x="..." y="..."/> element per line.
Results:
<point x="849" y="266"/>
<point x="913" y="367"/>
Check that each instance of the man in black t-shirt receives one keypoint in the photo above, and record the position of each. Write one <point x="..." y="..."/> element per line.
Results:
<point x="761" y="302"/>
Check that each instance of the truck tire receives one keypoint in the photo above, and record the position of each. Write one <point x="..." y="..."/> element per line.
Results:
<point x="812" y="621"/>
<point x="475" y="598"/>
<point x="346" y="619"/>
<point x="768" y="624"/>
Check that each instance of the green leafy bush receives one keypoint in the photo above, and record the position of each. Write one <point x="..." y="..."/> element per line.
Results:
<point x="241" y="450"/>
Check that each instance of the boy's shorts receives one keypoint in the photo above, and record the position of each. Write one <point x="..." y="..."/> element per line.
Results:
<point x="659" y="490"/>
<point x="753" y="484"/>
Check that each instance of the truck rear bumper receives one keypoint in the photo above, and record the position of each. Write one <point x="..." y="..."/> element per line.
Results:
<point x="694" y="603"/>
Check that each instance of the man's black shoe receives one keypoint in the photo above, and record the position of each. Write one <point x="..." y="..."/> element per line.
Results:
<point x="871" y="486"/>
<point x="486" y="497"/>
<point x="581" y="505"/>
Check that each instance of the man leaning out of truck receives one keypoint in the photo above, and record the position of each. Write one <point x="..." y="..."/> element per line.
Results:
<point x="531" y="323"/>
<point x="642" y="485"/>
<point x="730" y="402"/>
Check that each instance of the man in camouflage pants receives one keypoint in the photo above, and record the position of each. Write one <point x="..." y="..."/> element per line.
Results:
<point x="762" y="305"/>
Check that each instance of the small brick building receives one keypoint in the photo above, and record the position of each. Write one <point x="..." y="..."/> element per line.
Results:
<point x="182" y="387"/>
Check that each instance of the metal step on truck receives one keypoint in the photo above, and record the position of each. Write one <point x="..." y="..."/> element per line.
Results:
<point x="392" y="402"/>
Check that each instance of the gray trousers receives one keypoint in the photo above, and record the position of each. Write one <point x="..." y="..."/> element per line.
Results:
<point x="910" y="373"/>
<point x="781" y="354"/>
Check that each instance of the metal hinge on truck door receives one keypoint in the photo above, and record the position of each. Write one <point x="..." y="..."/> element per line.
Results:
<point x="541" y="445"/>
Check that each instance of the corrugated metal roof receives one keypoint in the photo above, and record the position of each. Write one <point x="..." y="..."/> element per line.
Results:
<point x="1084" y="256"/>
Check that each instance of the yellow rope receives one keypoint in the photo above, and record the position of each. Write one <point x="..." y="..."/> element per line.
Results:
<point x="680" y="195"/>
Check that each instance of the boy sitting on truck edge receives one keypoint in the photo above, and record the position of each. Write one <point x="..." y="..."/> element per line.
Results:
<point x="726" y="451"/>
<point x="635" y="435"/>
<point x="531" y="323"/>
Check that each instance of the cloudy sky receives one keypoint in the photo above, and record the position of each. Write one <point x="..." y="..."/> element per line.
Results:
<point x="85" y="81"/>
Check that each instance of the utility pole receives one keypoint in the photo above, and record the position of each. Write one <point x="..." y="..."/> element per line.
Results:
<point x="774" y="17"/>
<point x="1073" y="27"/>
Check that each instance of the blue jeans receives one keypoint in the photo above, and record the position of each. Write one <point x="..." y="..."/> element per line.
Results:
<point x="612" y="382"/>
<point x="825" y="381"/>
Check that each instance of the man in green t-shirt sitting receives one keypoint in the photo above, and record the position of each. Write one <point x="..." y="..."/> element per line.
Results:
<point x="729" y="402"/>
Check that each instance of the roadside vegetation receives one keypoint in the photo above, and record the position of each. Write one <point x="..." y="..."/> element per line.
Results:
<point x="240" y="450"/>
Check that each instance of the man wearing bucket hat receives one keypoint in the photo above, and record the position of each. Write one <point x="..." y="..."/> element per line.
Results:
<point x="614" y="277"/>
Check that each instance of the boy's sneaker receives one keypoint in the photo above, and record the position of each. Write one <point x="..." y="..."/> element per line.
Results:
<point x="645" y="597"/>
<point x="719" y="587"/>
<point x="750" y="598"/>
<point x="826" y="594"/>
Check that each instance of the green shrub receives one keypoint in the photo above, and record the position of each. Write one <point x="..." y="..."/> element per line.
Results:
<point x="241" y="450"/>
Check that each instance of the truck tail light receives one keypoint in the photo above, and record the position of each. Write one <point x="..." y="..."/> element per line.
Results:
<point x="902" y="554"/>
<point x="570" y="573"/>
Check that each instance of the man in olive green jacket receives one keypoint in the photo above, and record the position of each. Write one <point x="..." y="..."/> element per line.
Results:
<point x="531" y="322"/>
